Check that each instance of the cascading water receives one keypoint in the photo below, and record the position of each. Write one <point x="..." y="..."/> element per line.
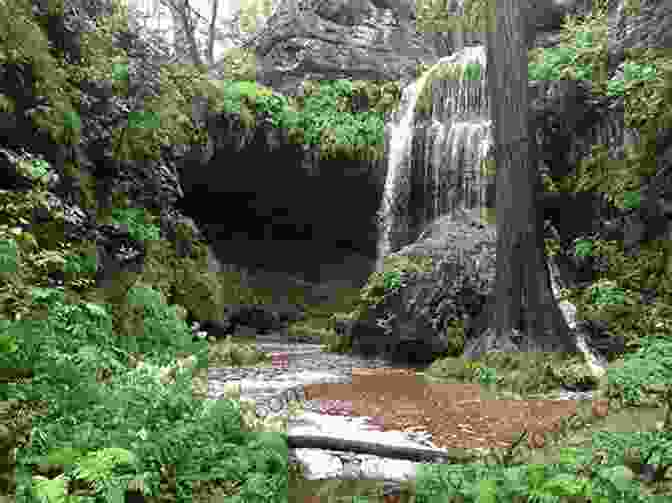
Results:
<point x="400" y="145"/>
<point x="435" y="169"/>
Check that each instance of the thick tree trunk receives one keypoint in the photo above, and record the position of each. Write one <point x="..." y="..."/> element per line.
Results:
<point x="525" y="300"/>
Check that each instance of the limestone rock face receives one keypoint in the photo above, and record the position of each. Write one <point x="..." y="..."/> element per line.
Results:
<point x="358" y="39"/>
<point x="651" y="28"/>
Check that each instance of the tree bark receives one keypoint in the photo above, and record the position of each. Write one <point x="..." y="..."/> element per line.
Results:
<point x="184" y="25"/>
<point x="522" y="279"/>
<point x="211" y="34"/>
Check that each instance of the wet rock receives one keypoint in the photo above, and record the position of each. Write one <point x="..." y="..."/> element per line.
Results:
<point x="576" y="376"/>
<point x="218" y="329"/>
<point x="453" y="288"/>
<point x="286" y="53"/>
<point x="264" y="317"/>
<point x="597" y="338"/>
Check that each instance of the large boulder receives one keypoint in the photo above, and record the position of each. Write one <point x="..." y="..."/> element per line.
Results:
<point x="454" y="287"/>
<point x="446" y="274"/>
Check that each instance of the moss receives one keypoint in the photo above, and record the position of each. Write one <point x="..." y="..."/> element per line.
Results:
<point x="395" y="266"/>
<point x="524" y="373"/>
<point x="181" y="312"/>
<point x="236" y="291"/>
<point x="575" y="375"/>
<point x="455" y="338"/>
<point x="451" y="367"/>
<point x="86" y="183"/>
<point x="117" y="200"/>
<point x="452" y="71"/>
<point x="186" y="281"/>
<point x="200" y="292"/>
<point x="628" y="317"/>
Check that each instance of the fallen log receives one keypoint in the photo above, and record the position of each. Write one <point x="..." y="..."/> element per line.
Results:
<point x="451" y="455"/>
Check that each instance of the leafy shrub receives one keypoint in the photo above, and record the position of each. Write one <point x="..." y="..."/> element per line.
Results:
<point x="158" y="325"/>
<point x="9" y="256"/>
<point x="323" y="118"/>
<point x="390" y="280"/>
<point x="138" y="222"/>
<point x="651" y="365"/>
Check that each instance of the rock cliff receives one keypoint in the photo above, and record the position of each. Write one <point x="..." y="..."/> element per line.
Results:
<point x="358" y="39"/>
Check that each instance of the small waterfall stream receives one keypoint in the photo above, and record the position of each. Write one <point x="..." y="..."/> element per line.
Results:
<point x="401" y="135"/>
<point x="434" y="165"/>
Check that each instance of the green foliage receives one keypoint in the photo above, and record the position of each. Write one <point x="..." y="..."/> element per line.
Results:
<point x="583" y="248"/>
<point x="605" y="292"/>
<point x="633" y="75"/>
<point x="432" y="16"/>
<point x="322" y="119"/>
<point x="164" y="120"/>
<point x="25" y="42"/>
<point x="151" y="425"/>
<point x="98" y="465"/>
<point x="650" y="366"/>
<point x="80" y="264"/>
<point x="455" y="338"/>
<point x="64" y="456"/>
<point x="8" y="342"/>
<point x="239" y="64"/>
<point x="645" y="86"/>
<point x="245" y="97"/>
<point x="157" y="325"/>
<point x="9" y="256"/>
<point x="614" y="298"/>
<point x="618" y="179"/>
<point x="391" y="280"/>
<point x="171" y="411"/>
<point x="388" y="282"/>
<point x="325" y="121"/>
<point x="138" y="222"/>
<point x="37" y="169"/>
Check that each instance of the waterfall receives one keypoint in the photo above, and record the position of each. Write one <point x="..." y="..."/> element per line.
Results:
<point x="400" y="145"/>
<point x="434" y="164"/>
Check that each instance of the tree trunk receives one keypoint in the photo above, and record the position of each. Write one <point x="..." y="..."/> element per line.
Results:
<point x="210" y="55"/>
<point x="522" y="279"/>
<point x="184" y="43"/>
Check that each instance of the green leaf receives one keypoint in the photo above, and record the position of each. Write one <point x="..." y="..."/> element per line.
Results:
<point x="120" y="72"/>
<point x="50" y="490"/>
<point x="142" y="119"/>
<point x="64" y="456"/>
<point x="71" y="121"/>
<point x="583" y="248"/>
<point x="8" y="344"/>
<point x="98" y="465"/>
<point x="487" y="491"/>
<point x="631" y="199"/>
<point x="8" y="256"/>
